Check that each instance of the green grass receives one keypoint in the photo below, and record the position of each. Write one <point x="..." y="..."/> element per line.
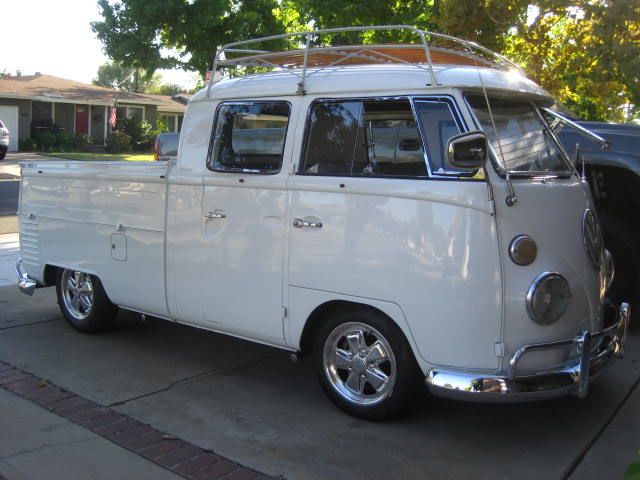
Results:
<point x="109" y="157"/>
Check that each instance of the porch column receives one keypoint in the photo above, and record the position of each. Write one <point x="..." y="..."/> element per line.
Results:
<point x="106" y="122"/>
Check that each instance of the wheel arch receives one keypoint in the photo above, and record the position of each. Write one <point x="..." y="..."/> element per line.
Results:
<point x="321" y="312"/>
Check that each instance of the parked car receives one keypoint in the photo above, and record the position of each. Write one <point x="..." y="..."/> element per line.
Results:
<point x="166" y="146"/>
<point x="404" y="223"/>
<point x="4" y="140"/>
<point x="613" y="173"/>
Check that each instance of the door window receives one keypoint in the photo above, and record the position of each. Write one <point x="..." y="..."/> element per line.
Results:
<point x="376" y="138"/>
<point x="249" y="137"/>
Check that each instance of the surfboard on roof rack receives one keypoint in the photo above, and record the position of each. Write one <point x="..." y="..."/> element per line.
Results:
<point x="310" y="53"/>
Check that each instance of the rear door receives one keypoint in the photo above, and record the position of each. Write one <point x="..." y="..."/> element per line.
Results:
<point x="243" y="212"/>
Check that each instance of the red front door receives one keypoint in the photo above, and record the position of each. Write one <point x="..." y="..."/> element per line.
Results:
<point x="82" y="119"/>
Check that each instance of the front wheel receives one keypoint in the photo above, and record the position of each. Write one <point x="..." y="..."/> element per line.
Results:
<point x="83" y="301"/>
<point x="366" y="365"/>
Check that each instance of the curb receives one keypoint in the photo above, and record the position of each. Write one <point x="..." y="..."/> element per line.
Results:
<point x="170" y="452"/>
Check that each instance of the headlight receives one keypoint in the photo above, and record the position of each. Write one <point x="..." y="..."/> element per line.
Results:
<point x="548" y="298"/>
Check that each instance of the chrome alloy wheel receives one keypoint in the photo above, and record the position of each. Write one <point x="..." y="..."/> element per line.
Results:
<point x="359" y="363"/>
<point x="77" y="293"/>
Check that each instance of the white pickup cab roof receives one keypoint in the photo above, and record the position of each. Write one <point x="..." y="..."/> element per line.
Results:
<point x="375" y="79"/>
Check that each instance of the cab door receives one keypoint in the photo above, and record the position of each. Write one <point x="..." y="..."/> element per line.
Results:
<point x="371" y="223"/>
<point x="243" y="212"/>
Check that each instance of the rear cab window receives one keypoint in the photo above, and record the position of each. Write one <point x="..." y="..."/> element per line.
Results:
<point x="380" y="138"/>
<point x="249" y="137"/>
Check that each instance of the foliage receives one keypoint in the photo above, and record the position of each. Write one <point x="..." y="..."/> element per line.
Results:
<point x="46" y="140"/>
<point x="140" y="132"/>
<point x="27" y="144"/>
<point x="584" y="52"/>
<point x="153" y="35"/>
<point x="82" y="141"/>
<point x="64" y="141"/>
<point x="170" y="89"/>
<point x="162" y="126"/>
<point x="633" y="471"/>
<point x="118" y="141"/>
<point x="115" y="75"/>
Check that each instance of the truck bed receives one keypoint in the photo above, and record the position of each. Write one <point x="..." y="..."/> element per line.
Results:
<point x="105" y="218"/>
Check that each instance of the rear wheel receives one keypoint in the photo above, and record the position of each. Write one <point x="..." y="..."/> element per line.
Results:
<point x="83" y="301"/>
<point x="366" y="365"/>
<point x="3" y="153"/>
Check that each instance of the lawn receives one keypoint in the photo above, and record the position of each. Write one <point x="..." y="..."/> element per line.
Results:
<point x="109" y="157"/>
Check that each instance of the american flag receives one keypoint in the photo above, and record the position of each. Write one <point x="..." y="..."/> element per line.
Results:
<point x="112" y="117"/>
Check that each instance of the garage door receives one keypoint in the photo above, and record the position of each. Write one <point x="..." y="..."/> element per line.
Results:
<point x="9" y="116"/>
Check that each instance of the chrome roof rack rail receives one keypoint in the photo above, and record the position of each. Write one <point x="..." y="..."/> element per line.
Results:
<point x="298" y="60"/>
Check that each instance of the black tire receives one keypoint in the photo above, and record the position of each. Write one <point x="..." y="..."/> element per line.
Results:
<point x="83" y="301"/>
<point x="620" y="240"/>
<point x="390" y="400"/>
<point x="3" y="153"/>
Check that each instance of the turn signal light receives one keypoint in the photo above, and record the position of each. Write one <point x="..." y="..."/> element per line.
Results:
<point x="523" y="250"/>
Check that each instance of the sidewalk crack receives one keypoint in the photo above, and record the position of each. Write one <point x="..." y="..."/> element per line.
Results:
<point x="189" y="379"/>
<point x="44" y="446"/>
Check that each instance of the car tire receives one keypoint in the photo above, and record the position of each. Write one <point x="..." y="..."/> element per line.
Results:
<point x="619" y="239"/>
<point x="365" y="365"/>
<point x="3" y="153"/>
<point x="83" y="301"/>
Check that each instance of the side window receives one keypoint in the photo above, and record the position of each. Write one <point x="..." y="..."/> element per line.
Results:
<point x="363" y="138"/>
<point x="249" y="137"/>
<point x="438" y="125"/>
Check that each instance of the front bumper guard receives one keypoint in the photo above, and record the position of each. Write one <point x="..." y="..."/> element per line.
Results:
<point x="26" y="284"/>
<point x="570" y="378"/>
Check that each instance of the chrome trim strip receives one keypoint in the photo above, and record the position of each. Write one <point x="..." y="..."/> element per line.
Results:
<point x="26" y="284"/>
<point x="571" y="378"/>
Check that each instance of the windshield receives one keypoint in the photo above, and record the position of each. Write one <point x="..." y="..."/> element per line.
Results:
<point x="523" y="143"/>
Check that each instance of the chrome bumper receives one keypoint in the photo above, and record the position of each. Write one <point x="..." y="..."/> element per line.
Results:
<point x="26" y="284"/>
<point x="571" y="378"/>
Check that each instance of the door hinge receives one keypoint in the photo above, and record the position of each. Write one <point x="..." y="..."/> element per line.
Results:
<point x="284" y="312"/>
<point x="499" y="349"/>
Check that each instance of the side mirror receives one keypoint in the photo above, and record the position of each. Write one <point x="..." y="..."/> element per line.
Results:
<point x="468" y="150"/>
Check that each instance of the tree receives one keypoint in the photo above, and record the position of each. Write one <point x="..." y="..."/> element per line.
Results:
<point x="179" y="34"/>
<point x="585" y="52"/>
<point x="115" y="75"/>
<point x="165" y="89"/>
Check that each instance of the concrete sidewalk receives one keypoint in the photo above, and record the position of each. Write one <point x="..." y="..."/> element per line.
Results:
<point x="37" y="444"/>
<point x="9" y="251"/>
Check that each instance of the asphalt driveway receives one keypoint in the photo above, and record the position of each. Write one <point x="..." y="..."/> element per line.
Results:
<point x="249" y="403"/>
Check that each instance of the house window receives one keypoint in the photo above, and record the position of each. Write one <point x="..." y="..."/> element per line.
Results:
<point x="135" y="112"/>
<point x="41" y="116"/>
<point x="249" y="137"/>
<point x="180" y="118"/>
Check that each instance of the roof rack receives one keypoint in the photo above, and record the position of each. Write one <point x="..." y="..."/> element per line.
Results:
<point x="309" y="52"/>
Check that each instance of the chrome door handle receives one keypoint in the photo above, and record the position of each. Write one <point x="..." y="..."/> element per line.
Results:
<point x="299" y="223"/>
<point x="215" y="215"/>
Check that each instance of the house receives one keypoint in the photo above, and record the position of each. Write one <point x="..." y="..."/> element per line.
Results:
<point x="31" y="103"/>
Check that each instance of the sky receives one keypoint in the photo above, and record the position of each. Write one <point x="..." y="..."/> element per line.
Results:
<point x="54" y="37"/>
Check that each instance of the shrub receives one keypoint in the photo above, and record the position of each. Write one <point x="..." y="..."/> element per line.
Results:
<point x="46" y="140"/>
<point x="27" y="144"/>
<point x="64" y="141"/>
<point x="162" y="126"/>
<point x="118" y="142"/>
<point x="82" y="141"/>
<point x="141" y="133"/>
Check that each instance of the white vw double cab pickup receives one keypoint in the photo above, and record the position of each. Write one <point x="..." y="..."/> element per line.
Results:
<point x="402" y="213"/>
